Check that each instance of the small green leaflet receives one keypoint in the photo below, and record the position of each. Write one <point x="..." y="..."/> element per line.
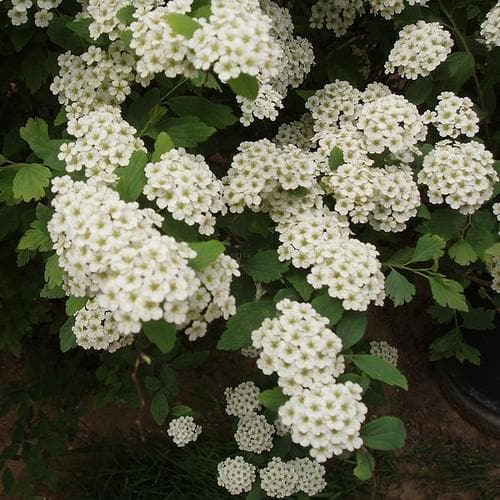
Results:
<point x="37" y="237"/>
<point x="161" y="333"/>
<point x="207" y="252"/>
<point x="181" y="411"/>
<point x="163" y="143"/>
<point x="132" y="179"/>
<point x="53" y="273"/>
<point x="239" y="328"/>
<point x="187" y="131"/>
<point x="298" y="280"/>
<point x="479" y="319"/>
<point x="74" y="304"/>
<point x="447" y="293"/>
<point x="328" y="307"/>
<point x="419" y="90"/>
<point x="462" y="253"/>
<point x="245" y="86"/>
<point x="159" y="407"/>
<point x="30" y="181"/>
<point x="446" y="222"/>
<point x="457" y="69"/>
<point x="182" y="24"/>
<point x="493" y="251"/>
<point x="126" y="14"/>
<point x="273" y="398"/>
<point x="379" y="369"/>
<point x="336" y="158"/>
<point x="67" y="338"/>
<point x="384" y="433"/>
<point x="365" y="464"/>
<point x="265" y="266"/>
<point x="398" y="288"/>
<point x="351" y="328"/>
<point x="429" y="247"/>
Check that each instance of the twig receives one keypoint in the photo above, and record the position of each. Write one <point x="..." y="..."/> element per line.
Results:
<point x="140" y="395"/>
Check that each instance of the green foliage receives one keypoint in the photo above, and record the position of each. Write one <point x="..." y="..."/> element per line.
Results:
<point x="30" y="181"/>
<point x="365" y="464"/>
<point x="214" y="115"/>
<point x="328" y="307"/>
<point x="245" y="86"/>
<point x="447" y="293"/>
<point x="336" y="158"/>
<point x="132" y="179"/>
<point x="273" y="398"/>
<point x="398" y="288"/>
<point x="159" y="407"/>
<point x="265" y="266"/>
<point x="37" y="236"/>
<point x="384" y="433"/>
<point x="207" y="252"/>
<point x="429" y="247"/>
<point x="161" y="334"/>
<point x="351" y="328"/>
<point x="182" y="24"/>
<point x="379" y="369"/>
<point x="163" y="143"/>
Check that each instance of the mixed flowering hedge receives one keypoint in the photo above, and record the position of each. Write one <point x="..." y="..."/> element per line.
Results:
<point x="258" y="173"/>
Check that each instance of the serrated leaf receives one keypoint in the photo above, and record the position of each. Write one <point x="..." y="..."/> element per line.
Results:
<point x="479" y="319"/>
<point x="273" y="398"/>
<point x="446" y="223"/>
<point x="384" y="433"/>
<point x="132" y="179"/>
<point x="67" y="339"/>
<point x="462" y="253"/>
<point x="37" y="237"/>
<point x="53" y="273"/>
<point x="74" y="304"/>
<point x="365" y="464"/>
<point x="351" y="328"/>
<point x="429" y="247"/>
<point x="187" y="131"/>
<point x="159" y="407"/>
<point x="441" y="314"/>
<point x="379" y="369"/>
<point x="214" y="115"/>
<point x="446" y="345"/>
<point x="480" y="238"/>
<point x="30" y="181"/>
<point x="398" y="288"/>
<point x="336" y="158"/>
<point x="161" y="333"/>
<point x="299" y="281"/>
<point x="328" y="307"/>
<point x="163" y="143"/>
<point x="457" y="70"/>
<point x="126" y="14"/>
<point x="448" y="293"/>
<point x="245" y="86"/>
<point x="265" y="266"/>
<point x="239" y="328"/>
<point x="207" y="252"/>
<point x="182" y="24"/>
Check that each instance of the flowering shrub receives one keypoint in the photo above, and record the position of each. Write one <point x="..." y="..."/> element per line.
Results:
<point x="235" y="170"/>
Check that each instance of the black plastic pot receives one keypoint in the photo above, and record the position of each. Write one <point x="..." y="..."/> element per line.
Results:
<point x="475" y="390"/>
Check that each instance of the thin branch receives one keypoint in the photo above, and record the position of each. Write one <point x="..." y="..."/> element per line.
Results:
<point x="140" y="395"/>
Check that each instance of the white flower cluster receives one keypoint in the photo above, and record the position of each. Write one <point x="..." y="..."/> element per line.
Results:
<point x="453" y="116"/>
<point x="111" y="251"/>
<point x="104" y="141"/>
<point x="242" y="399"/>
<point x="18" y="13"/>
<point x="184" y="184"/>
<point x="420" y="49"/>
<point x="299" y="133"/>
<point x="86" y="82"/>
<point x="302" y="475"/>
<point x="384" y="350"/>
<point x="236" y="475"/>
<point x="299" y="347"/>
<point x="490" y="27"/>
<point x="385" y="197"/>
<point x="213" y="298"/>
<point x="327" y="417"/>
<point x="261" y="167"/>
<point x="254" y="433"/>
<point x="336" y="15"/>
<point x="183" y="430"/>
<point x="389" y="8"/>
<point x="459" y="174"/>
<point x="493" y="266"/>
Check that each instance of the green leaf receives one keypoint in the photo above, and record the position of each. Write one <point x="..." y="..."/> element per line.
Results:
<point x="273" y="398"/>
<point x="448" y="293"/>
<point x="286" y="293"/>
<point x="493" y="251"/>
<point x="441" y="314"/>
<point x="74" y="304"/>
<point x="265" y="266"/>
<point x="60" y="117"/>
<point x="53" y="273"/>
<point x="169" y="380"/>
<point x="181" y="411"/>
<point x="159" y="407"/>
<point x="245" y="86"/>
<point x="126" y="14"/>
<point x="189" y="360"/>
<point x="256" y="492"/>
<point x="182" y="24"/>
<point x="163" y="143"/>
<point x="132" y="179"/>
<point x="480" y="238"/>
<point x="351" y="328"/>
<point x="379" y="369"/>
<point x="81" y="28"/>
<point x="67" y="339"/>
<point x="336" y="158"/>
<point x="30" y="181"/>
<point x="152" y="384"/>
<point x="384" y="433"/>
<point x="33" y="69"/>
<point x="207" y="252"/>
<point x="446" y="223"/>
<point x="36" y="134"/>
<point x="429" y="247"/>
<point x="187" y="131"/>
<point x="214" y="115"/>
<point x="479" y="319"/>
<point x="457" y="70"/>
<point x="179" y="229"/>
<point x="239" y="328"/>
<point x="249" y="223"/>
<point x="398" y="288"/>
<point x="298" y="280"/>
<point x="446" y="345"/>
<point x="37" y="237"/>
<point x="161" y="333"/>
<point x="328" y="307"/>
<point x="365" y="464"/>
<point x="419" y="90"/>
<point x="462" y="253"/>
<point x="52" y="293"/>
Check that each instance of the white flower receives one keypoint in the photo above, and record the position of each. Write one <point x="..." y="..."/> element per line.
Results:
<point x="254" y="433"/>
<point x="183" y="430"/>
<point x="336" y="15"/>
<point x="279" y="479"/>
<point x="236" y="475"/>
<point x="242" y="399"/>
<point x="490" y="27"/>
<point x="384" y="350"/>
